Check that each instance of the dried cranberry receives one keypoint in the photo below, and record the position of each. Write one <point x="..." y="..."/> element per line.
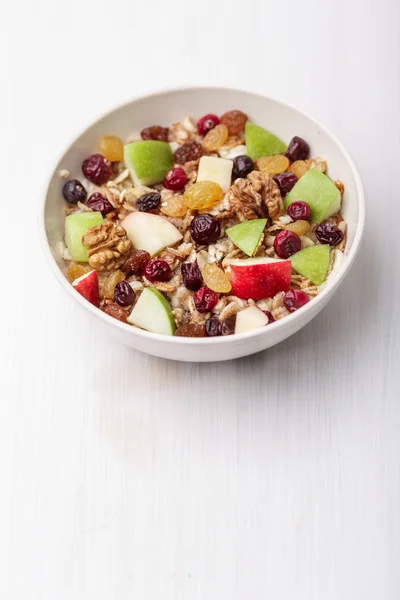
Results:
<point x="136" y="263"/>
<point x="228" y="326"/>
<point x="74" y="192"/>
<point x="124" y="294"/>
<point x="327" y="233"/>
<point x="299" y="210"/>
<point x="213" y="327"/>
<point x="270" y="316"/>
<point x="191" y="330"/>
<point x="205" y="229"/>
<point x="157" y="270"/>
<point x="191" y="274"/>
<point x="295" y="299"/>
<point x="189" y="151"/>
<point x="242" y="166"/>
<point x="149" y="201"/>
<point x="287" y="243"/>
<point x="298" y="149"/>
<point x="156" y="132"/>
<point x="99" y="202"/>
<point x="285" y="182"/>
<point x="175" y="179"/>
<point x="205" y="299"/>
<point x="97" y="169"/>
<point x="206" y="123"/>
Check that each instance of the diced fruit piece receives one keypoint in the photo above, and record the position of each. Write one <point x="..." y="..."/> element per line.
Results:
<point x="319" y="192"/>
<point x="76" y="225"/>
<point x="157" y="270"/>
<point x="100" y="203"/>
<point x="242" y="166"/>
<point x="327" y="233"/>
<point x="270" y="165"/>
<point x="216" y="138"/>
<point x="219" y="170"/>
<point x="77" y="270"/>
<point x="295" y="299"/>
<point x="174" y="206"/>
<point x="300" y="227"/>
<point x="153" y="313"/>
<point x="205" y="299"/>
<point x="191" y="275"/>
<point x="112" y="148"/>
<point x="150" y="232"/>
<point x="206" y="123"/>
<point x="260" y="142"/>
<point x="246" y="235"/>
<point x="285" y="182"/>
<point x="299" y="210"/>
<point x="124" y="294"/>
<point x="110" y="282"/>
<point x="149" y="201"/>
<point x="148" y="161"/>
<point x="97" y="169"/>
<point x="74" y="191"/>
<point x="299" y="168"/>
<point x="287" y="243"/>
<point x="235" y="120"/>
<point x="175" y="179"/>
<point x="189" y="151"/>
<point x="250" y="318"/>
<point x="205" y="229"/>
<point x="88" y="287"/>
<point x="259" y="278"/>
<point x="203" y="194"/>
<point x="216" y="279"/>
<point x="312" y="262"/>
<point x="156" y="132"/>
<point x="298" y="149"/>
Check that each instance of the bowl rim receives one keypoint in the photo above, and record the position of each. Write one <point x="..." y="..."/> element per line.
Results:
<point x="221" y="340"/>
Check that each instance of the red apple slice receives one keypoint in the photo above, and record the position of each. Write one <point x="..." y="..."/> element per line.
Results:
<point x="259" y="278"/>
<point x="88" y="287"/>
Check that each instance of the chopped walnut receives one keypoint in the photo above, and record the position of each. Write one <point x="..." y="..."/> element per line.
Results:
<point x="340" y="186"/>
<point x="164" y="286"/>
<point x="245" y="201"/>
<point x="317" y="163"/>
<point x="270" y="194"/>
<point x="108" y="246"/>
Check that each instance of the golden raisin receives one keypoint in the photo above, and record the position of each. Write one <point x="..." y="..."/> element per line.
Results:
<point x="116" y="311"/>
<point x="300" y="227"/>
<point x="203" y="194"/>
<point x="110" y="282"/>
<point x="271" y="165"/>
<point x="235" y="120"/>
<point x="299" y="168"/>
<point x="216" y="138"/>
<point x="76" y="270"/>
<point x="174" y="206"/>
<point x="191" y="330"/>
<point x="216" y="279"/>
<point x="112" y="148"/>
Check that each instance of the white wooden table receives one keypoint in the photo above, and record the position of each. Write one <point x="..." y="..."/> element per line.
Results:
<point x="129" y="477"/>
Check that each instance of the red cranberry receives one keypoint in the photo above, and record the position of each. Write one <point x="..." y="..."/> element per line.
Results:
<point x="175" y="179"/>
<point x="228" y="326"/>
<point x="242" y="166"/>
<point x="74" y="192"/>
<point x="99" y="202"/>
<point x="124" y="294"/>
<point x="149" y="201"/>
<point x="213" y="327"/>
<point x="191" y="274"/>
<point x="287" y="243"/>
<point x="157" y="270"/>
<point x="327" y="233"/>
<point x="206" y="123"/>
<point x="299" y="210"/>
<point x="285" y="182"/>
<point x="295" y="299"/>
<point x="205" y="299"/>
<point x="97" y="169"/>
<point x="205" y="229"/>
<point x="270" y="316"/>
<point x="298" y="149"/>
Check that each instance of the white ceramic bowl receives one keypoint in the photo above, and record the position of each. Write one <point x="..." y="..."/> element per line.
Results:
<point x="169" y="107"/>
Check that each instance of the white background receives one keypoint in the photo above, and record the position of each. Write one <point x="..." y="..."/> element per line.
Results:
<point x="129" y="477"/>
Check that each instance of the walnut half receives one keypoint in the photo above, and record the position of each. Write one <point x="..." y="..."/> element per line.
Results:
<point x="108" y="244"/>
<point x="256" y="197"/>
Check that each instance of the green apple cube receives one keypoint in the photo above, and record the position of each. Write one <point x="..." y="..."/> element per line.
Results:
<point x="320" y="193"/>
<point x="312" y="262"/>
<point x="148" y="161"/>
<point x="247" y="235"/>
<point x="260" y="142"/>
<point x="75" y="226"/>
<point x="153" y="313"/>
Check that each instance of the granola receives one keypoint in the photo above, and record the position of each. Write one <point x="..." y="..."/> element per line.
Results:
<point x="262" y="250"/>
